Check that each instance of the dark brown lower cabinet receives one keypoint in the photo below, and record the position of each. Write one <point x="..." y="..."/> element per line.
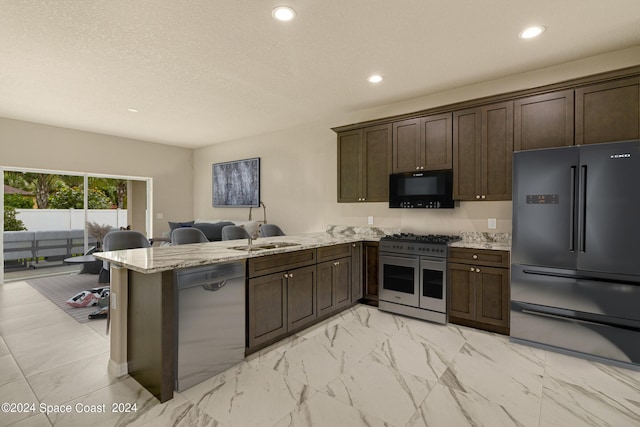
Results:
<point x="279" y="303"/>
<point x="334" y="286"/>
<point x="290" y="291"/>
<point x="301" y="297"/>
<point x="479" y="294"/>
<point x="335" y="273"/>
<point x="267" y="305"/>
<point x="357" y="288"/>
<point x="370" y="272"/>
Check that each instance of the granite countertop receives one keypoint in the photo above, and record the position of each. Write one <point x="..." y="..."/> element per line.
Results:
<point x="162" y="258"/>
<point x="481" y="240"/>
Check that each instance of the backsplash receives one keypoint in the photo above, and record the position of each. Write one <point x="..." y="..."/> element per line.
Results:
<point x="361" y="230"/>
<point x="483" y="237"/>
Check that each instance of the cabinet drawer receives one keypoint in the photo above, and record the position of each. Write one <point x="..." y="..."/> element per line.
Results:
<point x="328" y="253"/>
<point x="274" y="263"/>
<point x="488" y="257"/>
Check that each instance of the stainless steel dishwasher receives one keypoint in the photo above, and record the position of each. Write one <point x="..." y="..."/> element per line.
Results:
<point x="211" y="321"/>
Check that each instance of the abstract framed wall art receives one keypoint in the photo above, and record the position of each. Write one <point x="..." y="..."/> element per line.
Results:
<point x="236" y="184"/>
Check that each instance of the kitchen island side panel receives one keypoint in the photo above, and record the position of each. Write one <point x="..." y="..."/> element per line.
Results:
<point x="151" y="332"/>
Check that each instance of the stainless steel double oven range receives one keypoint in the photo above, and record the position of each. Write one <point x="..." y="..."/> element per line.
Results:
<point x="413" y="275"/>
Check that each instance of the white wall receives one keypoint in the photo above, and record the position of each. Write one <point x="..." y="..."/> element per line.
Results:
<point x="299" y="165"/>
<point x="31" y="145"/>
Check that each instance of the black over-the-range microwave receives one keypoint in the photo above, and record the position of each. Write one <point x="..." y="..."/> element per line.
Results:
<point x="425" y="189"/>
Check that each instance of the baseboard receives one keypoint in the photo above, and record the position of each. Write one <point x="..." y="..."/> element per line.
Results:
<point x="117" y="369"/>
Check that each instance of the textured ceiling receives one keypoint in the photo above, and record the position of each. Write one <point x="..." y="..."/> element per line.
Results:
<point x="207" y="71"/>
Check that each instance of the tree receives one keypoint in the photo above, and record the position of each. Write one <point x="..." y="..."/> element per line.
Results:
<point x="40" y="184"/>
<point x="18" y="201"/>
<point x="115" y="189"/>
<point x="121" y="191"/>
<point x="16" y="180"/>
<point x="45" y="185"/>
<point x="73" y="198"/>
<point x="11" y="223"/>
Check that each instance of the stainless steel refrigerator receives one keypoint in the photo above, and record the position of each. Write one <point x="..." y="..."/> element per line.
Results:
<point x="575" y="274"/>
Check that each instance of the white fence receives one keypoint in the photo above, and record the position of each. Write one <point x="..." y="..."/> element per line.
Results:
<point x="69" y="219"/>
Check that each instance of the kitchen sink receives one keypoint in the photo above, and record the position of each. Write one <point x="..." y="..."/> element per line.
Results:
<point x="263" y="246"/>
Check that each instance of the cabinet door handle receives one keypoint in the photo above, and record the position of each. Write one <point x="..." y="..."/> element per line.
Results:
<point x="477" y="270"/>
<point x="472" y="269"/>
<point x="477" y="196"/>
<point x="353" y="245"/>
<point x="475" y="256"/>
<point x="291" y="275"/>
<point x="484" y="197"/>
<point x="336" y="263"/>
<point x="286" y="276"/>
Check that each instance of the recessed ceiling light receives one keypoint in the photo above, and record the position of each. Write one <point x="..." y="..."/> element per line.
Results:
<point x="532" y="32"/>
<point x="376" y="78"/>
<point x="132" y="110"/>
<point x="283" y="13"/>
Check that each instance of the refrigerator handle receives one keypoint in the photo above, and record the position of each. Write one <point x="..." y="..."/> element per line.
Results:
<point x="583" y="209"/>
<point x="573" y="202"/>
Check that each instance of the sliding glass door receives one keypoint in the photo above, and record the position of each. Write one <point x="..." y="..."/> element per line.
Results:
<point x="51" y="215"/>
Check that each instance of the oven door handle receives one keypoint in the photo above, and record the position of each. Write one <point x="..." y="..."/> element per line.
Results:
<point x="438" y="264"/>
<point x="395" y="259"/>
<point x="442" y="261"/>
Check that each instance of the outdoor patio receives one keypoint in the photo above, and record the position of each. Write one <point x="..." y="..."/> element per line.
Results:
<point x="43" y="269"/>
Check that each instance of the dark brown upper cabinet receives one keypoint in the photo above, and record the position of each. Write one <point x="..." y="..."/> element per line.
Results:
<point x="543" y="121"/>
<point x="364" y="164"/>
<point x="482" y="151"/>
<point x="424" y="143"/>
<point x="608" y="112"/>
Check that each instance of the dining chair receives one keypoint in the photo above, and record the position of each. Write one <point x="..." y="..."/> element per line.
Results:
<point x="234" y="232"/>
<point x="268" y="230"/>
<point x="186" y="235"/>
<point x="119" y="240"/>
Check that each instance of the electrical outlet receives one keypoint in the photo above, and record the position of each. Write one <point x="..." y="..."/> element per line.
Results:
<point x="370" y="220"/>
<point x="491" y="223"/>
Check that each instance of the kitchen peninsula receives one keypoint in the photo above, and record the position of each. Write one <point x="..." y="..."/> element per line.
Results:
<point x="144" y="298"/>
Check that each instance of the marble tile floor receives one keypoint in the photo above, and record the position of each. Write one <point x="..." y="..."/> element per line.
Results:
<point x="362" y="367"/>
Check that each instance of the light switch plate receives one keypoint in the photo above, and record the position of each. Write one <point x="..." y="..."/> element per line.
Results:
<point x="491" y="223"/>
<point x="370" y="220"/>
